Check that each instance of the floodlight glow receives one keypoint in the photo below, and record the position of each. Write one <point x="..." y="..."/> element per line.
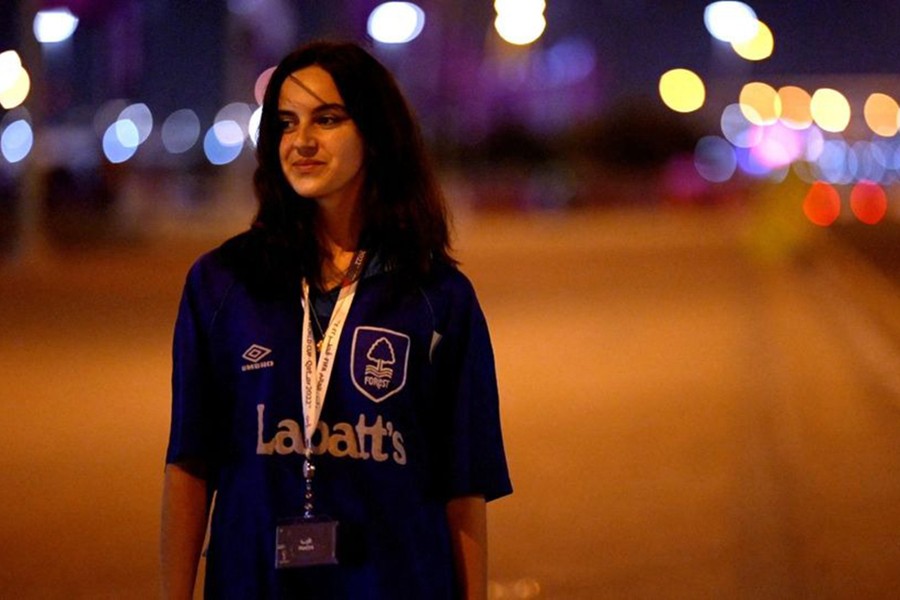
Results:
<point x="56" y="25"/>
<point x="396" y="22"/>
<point x="525" y="6"/>
<point x="520" y="28"/>
<point x="730" y="21"/>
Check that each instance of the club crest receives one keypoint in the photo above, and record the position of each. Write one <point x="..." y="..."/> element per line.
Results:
<point x="378" y="366"/>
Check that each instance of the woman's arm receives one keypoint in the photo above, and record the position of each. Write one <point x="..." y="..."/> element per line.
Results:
<point x="184" y="516"/>
<point x="467" y="517"/>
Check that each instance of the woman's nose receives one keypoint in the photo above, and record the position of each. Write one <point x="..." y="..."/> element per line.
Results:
<point x="305" y="143"/>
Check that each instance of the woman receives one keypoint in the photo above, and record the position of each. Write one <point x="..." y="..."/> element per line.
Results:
<point x="368" y="422"/>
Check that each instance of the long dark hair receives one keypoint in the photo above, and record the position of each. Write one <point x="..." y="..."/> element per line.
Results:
<point x="404" y="214"/>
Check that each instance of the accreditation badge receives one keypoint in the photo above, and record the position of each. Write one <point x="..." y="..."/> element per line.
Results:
<point x="306" y="542"/>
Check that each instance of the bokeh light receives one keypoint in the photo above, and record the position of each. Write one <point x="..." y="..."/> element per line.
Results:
<point x="396" y="22"/>
<point x="881" y="113"/>
<point x="815" y="143"/>
<point x="830" y="110"/>
<point x="737" y="129"/>
<point x="520" y="22"/>
<point x="244" y="7"/>
<point x="779" y="146"/>
<point x="759" y="47"/>
<point x="238" y="113"/>
<point x="836" y="163"/>
<point x="120" y="141"/>
<point x="16" y="141"/>
<point x="868" y="202"/>
<point x="714" y="159"/>
<point x="15" y="94"/>
<point x="795" y="107"/>
<point x="760" y="103"/>
<point x="253" y="125"/>
<point x="54" y="25"/>
<point x="15" y="82"/>
<point x="262" y="82"/>
<point x="822" y="205"/>
<point x="140" y="116"/>
<point x="10" y="65"/>
<point x="229" y="133"/>
<point x="730" y="21"/>
<point x="870" y="161"/>
<point x="180" y="131"/>
<point x="749" y="162"/>
<point x="682" y="90"/>
<point x="570" y="60"/>
<point x="217" y="151"/>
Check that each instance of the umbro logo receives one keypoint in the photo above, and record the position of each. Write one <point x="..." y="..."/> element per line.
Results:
<point x="254" y="356"/>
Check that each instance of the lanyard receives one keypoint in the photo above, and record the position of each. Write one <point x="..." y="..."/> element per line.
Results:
<point x="315" y="374"/>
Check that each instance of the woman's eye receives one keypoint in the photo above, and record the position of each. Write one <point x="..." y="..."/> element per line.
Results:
<point x="329" y="120"/>
<point x="285" y="124"/>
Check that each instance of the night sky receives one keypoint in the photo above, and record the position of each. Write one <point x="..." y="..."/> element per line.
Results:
<point x="635" y="41"/>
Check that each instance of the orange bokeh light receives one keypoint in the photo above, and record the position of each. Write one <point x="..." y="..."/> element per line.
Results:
<point x="868" y="202"/>
<point x="822" y="204"/>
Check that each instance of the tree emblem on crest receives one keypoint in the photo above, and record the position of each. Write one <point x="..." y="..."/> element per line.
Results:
<point x="381" y="353"/>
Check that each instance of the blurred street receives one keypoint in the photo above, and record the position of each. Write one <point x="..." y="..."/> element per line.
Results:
<point x="684" y="418"/>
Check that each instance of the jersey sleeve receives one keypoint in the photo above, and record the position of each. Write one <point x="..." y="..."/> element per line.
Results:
<point x="467" y="378"/>
<point x="190" y="434"/>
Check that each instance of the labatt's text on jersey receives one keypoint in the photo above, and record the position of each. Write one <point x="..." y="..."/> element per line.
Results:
<point x="378" y="441"/>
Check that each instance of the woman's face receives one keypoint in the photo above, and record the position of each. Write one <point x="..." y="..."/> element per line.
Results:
<point x="321" y="149"/>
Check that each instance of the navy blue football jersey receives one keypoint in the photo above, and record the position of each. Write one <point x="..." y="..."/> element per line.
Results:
<point x="410" y="421"/>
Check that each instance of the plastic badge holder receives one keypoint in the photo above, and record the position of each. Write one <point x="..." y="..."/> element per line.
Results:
<point x="305" y="543"/>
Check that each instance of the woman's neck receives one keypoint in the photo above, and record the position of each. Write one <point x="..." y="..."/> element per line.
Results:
<point x="338" y="228"/>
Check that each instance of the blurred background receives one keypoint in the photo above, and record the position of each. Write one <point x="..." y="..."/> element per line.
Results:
<point x="681" y="219"/>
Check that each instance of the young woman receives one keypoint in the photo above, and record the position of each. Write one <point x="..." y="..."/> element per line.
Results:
<point x="333" y="381"/>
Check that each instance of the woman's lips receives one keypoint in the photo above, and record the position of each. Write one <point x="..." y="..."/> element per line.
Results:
<point x="307" y="165"/>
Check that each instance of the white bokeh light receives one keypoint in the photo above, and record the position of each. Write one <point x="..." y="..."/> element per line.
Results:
<point x="520" y="29"/>
<point x="396" y="22"/>
<point x="180" y="131"/>
<point x="730" y="21"/>
<point x="141" y="117"/>
<point x="253" y="125"/>
<point x="55" y="25"/>
<point x="16" y="141"/>
<point x="120" y="141"/>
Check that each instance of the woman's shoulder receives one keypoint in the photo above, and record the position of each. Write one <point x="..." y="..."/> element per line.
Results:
<point x="245" y="258"/>
<point x="224" y="258"/>
<point x="447" y="278"/>
<point x="220" y="267"/>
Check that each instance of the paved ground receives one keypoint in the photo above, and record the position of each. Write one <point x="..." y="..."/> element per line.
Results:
<point x="682" y="420"/>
